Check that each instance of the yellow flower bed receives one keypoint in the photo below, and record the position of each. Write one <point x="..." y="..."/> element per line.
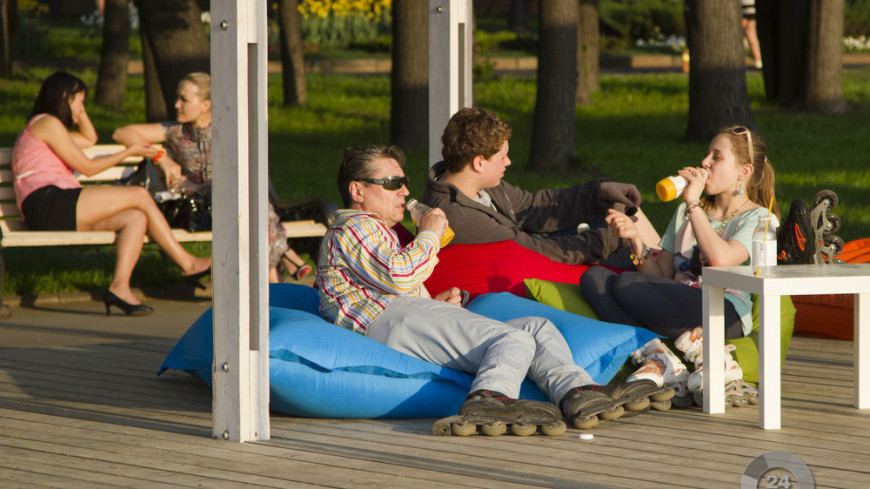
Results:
<point x="370" y="9"/>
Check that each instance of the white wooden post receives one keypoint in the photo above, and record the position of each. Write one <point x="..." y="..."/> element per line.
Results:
<point x="240" y="176"/>
<point x="450" y="43"/>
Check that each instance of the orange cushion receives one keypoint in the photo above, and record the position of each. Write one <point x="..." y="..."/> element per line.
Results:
<point x="857" y="251"/>
<point x="824" y="316"/>
<point x="828" y="315"/>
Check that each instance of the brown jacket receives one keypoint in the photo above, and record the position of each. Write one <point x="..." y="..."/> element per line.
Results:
<point x="522" y="216"/>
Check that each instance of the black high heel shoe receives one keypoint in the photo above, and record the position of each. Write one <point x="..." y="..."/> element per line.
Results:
<point x="110" y="299"/>
<point x="193" y="278"/>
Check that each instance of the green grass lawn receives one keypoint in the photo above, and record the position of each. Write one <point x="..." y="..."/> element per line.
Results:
<point x="632" y="132"/>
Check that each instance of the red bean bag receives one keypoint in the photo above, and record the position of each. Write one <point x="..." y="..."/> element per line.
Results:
<point x="496" y="267"/>
<point x="830" y="315"/>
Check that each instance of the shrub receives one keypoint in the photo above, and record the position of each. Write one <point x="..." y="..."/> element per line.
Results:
<point x="857" y="18"/>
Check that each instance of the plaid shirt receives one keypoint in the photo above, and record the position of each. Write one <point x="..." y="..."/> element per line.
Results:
<point x="362" y="268"/>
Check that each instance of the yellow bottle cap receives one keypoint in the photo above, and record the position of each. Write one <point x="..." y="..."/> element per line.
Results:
<point x="666" y="189"/>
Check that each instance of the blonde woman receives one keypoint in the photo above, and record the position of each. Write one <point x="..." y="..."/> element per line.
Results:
<point x="187" y="164"/>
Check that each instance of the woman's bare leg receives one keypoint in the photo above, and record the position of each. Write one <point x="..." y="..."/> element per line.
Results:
<point x="97" y="204"/>
<point x="750" y="30"/>
<point x="130" y="226"/>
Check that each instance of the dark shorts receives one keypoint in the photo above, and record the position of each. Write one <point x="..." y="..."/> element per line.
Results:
<point x="51" y="209"/>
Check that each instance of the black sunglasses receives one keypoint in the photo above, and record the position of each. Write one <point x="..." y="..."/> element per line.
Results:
<point x="389" y="183"/>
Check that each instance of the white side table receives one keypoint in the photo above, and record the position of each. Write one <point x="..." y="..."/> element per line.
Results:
<point x="772" y="283"/>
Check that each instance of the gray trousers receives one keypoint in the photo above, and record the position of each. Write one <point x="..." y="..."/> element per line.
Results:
<point x="499" y="354"/>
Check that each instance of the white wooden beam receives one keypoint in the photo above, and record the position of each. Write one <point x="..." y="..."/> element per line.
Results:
<point x="239" y="152"/>
<point x="450" y="87"/>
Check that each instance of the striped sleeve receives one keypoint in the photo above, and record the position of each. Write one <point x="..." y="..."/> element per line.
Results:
<point x="374" y="256"/>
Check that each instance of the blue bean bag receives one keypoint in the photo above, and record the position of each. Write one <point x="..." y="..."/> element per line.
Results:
<point x="321" y="370"/>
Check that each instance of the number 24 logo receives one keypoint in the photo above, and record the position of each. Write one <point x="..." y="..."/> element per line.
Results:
<point x="776" y="482"/>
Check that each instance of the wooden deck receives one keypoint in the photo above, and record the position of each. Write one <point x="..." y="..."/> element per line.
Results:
<point x="93" y="415"/>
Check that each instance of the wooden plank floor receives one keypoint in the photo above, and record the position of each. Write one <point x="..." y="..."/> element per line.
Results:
<point x="95" y="416"/>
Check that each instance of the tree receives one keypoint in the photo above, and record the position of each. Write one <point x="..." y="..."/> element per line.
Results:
<point x="587" y="51"/>
<point x="717" y="78"/>
<point x="409" y="111"/>
<point x="553" y="133"/>
<point x="114" y="54"/>
<point x="825" y="58"/>
<point x="292" y="61"/>
<point x="174" y="43"/>
<point x="782" y="33"/>
<point x="801" y="45"/>
<point x="517" y="15"/>
<point x="8" y="23"/>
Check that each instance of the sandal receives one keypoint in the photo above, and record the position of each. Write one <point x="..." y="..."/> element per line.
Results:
<point x="302" y="272"/>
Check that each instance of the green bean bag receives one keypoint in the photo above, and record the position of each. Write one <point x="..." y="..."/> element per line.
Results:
<point x="569" y="298"/>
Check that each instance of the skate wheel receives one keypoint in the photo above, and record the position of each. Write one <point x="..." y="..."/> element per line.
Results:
<point x="554" y="429"/>
<point x="614" y="413"/>
<point x="661" y="405"/>
<point x="824" y="195"/>
<point x="631" y="414"/>
<point x="494" y="428"/>
<point x="464" y="428"/>
<point x="585" y="424"/>
<point x="835" y="244"/>
<point x="522" y="429"/>
<point x="833" y="223"/>
<point x="665" y="395"/>
<point x="735" y="401"/>
<point x="638" y="405"/>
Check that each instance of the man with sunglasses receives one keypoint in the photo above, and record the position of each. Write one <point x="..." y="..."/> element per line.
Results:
<point x="468" y="185"/>
<point x="368" y="283"/>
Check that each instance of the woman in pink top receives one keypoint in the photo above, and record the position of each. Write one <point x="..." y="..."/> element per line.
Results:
<point x="50" y="197"/>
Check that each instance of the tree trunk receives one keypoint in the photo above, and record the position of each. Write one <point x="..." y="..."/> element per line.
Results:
<point x="292" y="62"/>
<point x="409" y="112"/>
<point x="114" y="55"/>
<point x="587" y="51"/>
<point x="517" y="15"/>
<point x="155" y="108"/>
<point x="825" y="58"/>
<point x="8" y="23"/>
<point x="782" y="33"/>
<point x="178" y="44"/>
<point x="553" y="133"/>
<point x="718" y="96"/>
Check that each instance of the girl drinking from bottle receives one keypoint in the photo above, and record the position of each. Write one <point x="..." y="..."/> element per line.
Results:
<point x="710" y="230"/>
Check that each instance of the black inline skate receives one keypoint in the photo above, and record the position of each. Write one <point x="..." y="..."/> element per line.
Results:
<point x="494" y="412"/>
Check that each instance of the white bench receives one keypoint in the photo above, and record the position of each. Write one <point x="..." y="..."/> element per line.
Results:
<point x="15" y="233"/>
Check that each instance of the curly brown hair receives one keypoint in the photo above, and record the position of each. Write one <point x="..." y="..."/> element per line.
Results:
<point x="472" y="132"/>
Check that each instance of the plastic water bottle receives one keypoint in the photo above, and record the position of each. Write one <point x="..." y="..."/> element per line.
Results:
<point x="764" y="243"/>
<point x="670" y="188"/>
<point x="417" y="210"/>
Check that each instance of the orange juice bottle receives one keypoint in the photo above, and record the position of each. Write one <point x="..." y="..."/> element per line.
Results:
<point x="669" y="188"/>
<point x="417" y="210"/>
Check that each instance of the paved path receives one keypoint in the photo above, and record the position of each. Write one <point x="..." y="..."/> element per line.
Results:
<point x="78" y="319"/>
<point x="85" y="323"/>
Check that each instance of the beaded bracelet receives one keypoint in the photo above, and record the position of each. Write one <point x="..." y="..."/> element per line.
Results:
<point x="691" y="207"/>
<point x="639" y="258"/>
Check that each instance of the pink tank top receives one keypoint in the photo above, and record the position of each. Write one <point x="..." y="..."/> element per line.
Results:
<point x="35" y="165"/>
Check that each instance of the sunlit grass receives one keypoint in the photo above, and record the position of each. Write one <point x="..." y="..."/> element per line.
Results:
<point x="633" y="132"/>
